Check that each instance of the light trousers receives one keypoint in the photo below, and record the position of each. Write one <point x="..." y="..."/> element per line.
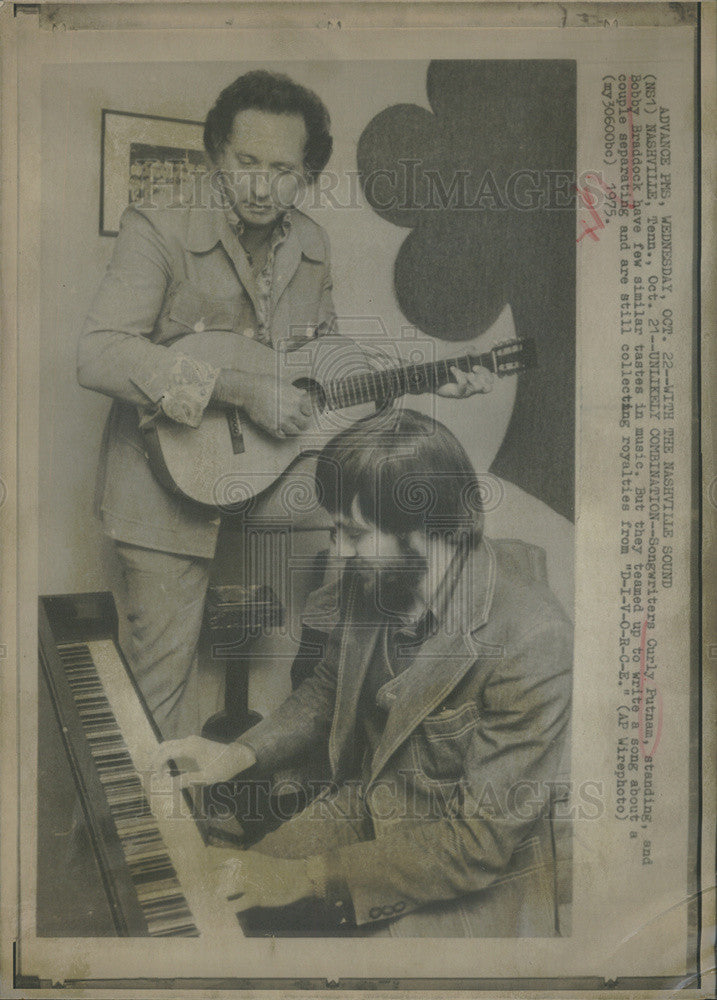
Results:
<point x="160" y="607"/>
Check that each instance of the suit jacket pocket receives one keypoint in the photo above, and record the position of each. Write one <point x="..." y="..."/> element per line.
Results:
<point x="440" y="743"/>
<point x="190" y="311"/>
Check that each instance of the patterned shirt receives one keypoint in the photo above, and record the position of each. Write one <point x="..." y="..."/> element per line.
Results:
<point x="188" y="390"/>
<point x="263" y="276"/>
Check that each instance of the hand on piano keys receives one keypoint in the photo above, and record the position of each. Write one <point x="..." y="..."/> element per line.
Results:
<point x="253" y="880"/>
<point x="200" y="761"/>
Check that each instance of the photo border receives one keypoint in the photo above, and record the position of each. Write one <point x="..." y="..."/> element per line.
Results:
<point x="558" y="983"/>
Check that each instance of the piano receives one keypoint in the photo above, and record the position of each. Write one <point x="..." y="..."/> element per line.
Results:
<point x="119" y="849"/>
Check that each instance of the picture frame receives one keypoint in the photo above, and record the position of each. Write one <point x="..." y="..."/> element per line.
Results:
<point x="141" y="154"/>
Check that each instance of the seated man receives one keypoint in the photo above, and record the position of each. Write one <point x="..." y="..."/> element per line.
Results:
<point x="443" y="701"/>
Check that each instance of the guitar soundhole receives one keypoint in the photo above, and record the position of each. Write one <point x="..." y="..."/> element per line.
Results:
<point x="318" y="396"/>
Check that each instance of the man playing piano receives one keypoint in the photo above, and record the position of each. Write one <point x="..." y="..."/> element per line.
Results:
<point x="442" y="700"/>
<point x="239" y="257"/>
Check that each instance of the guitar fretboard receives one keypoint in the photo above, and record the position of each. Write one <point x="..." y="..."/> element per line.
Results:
<point x="386" y="384"/>
<point x="382" y="385"/>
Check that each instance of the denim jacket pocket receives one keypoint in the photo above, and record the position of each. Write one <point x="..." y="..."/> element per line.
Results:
<point x="441" y="742"/>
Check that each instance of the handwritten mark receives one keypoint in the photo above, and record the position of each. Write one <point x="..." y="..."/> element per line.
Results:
<point x="589" y="201"/>
<point x="610" y="192"/>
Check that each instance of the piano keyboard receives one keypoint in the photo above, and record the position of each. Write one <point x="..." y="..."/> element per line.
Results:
<point x="160" y="840"/>
<point x="155" y="880"/>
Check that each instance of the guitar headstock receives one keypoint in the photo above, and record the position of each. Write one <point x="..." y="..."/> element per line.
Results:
<point x="514" y="356"/>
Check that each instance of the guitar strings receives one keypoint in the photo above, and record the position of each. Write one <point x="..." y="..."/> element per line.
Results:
<point x="389" y="383"/>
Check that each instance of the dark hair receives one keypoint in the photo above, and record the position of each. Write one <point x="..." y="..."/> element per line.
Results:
<point x="274" y="92"/>
<point x="409" y="473"/>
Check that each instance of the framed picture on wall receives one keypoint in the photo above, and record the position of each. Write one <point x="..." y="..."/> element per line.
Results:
<point x="141" y="155"/>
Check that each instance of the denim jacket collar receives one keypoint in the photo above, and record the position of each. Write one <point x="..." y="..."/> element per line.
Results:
<point x="440" y="663"/>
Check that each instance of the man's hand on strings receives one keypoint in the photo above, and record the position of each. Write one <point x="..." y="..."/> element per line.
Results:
<point x="467" y="383"/>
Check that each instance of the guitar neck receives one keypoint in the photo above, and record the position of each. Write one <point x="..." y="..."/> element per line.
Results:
<point x="382" y="385"/>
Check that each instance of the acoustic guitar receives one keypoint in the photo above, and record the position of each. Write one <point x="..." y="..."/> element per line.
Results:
<point x="227" y="460"/>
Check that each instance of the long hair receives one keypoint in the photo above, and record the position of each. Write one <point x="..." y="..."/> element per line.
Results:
<point x="408" y="472"/>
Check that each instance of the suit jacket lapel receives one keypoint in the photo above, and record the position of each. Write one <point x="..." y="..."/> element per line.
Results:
<point x="209" y="227"/>
<point x="286" y="263"/>
<point x="357" y="646"/>
<point x="444" y="658"/>
<point x="357" y="641"/>
<point x="239" y="259"/>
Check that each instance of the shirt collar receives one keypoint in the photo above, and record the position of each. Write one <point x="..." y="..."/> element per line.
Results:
<point x="209" y="222"/>
<point x="282" y="226"/>
<point x="416" y="630"/>
<point x="463" y="599"/>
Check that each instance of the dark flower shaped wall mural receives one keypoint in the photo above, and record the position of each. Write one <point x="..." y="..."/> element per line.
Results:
<point x="485" y="181"/>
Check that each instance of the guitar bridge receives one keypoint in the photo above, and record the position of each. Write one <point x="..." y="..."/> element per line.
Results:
<point x="235" y="431"/>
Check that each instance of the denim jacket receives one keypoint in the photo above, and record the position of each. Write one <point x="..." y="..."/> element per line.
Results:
<point x="461" y="781"/>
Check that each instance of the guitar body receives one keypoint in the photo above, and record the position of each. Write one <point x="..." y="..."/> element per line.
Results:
<point x="227" y="460"/>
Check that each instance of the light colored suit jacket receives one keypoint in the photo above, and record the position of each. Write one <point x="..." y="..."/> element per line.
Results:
<point x="179" y="270"/>
<point x="461" y="782"/>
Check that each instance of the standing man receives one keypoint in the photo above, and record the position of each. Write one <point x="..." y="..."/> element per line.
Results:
<point x="443" y="700"/>
<point x="240" y="258"/>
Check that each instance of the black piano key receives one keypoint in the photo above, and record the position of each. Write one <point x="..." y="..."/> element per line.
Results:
<point x="150" y="866"/>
